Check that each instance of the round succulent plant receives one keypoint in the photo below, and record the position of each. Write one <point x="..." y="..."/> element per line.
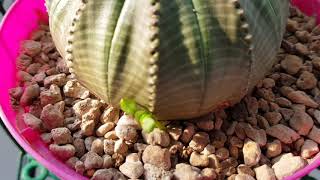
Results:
<point x="178" y="59"/>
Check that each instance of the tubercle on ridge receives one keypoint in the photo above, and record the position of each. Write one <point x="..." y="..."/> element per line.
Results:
<point x="244" y="25"/>
<point x="70" y="38"/>
<point x="154" y="51"/>
<point x="246" y="37"/>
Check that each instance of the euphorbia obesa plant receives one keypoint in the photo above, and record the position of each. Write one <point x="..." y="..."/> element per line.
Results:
<point x="177" y="58"/>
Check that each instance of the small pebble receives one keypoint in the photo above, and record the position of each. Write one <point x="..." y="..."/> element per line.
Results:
<point x="234" y="151"/>
<point x="23" y="76"/>
<point x="87" y="127"/>
<point x="253" y="104"/>
<point x="264" y="160"/>
<point x="33" y="122"/>
<point x="267" y="94"/>
<point x="222" y="153"/>
<point x="298" y="144"/>
<point x="303" y="36"/>
<point x="127" y="133"/>
<point x="87" y="106"/>
<point x="199" y="141"/>
<point x="60" y="106"/>
<point x="232" y="128"/>
<point x="157" y="156"/>
<point x="291" y="64"/>
<point x="139" y="147"/>
<point x="76" y="125"/>
<point x="273" y="117"/>
<point x="31" y="48"/>
<point x="104" y="128"/>
<point x="108" y="146"/>
<point x="133" y="157"/>
<point x="62" y="151"/>
<point x="50" y="96"/>
<point x="188" y="133"/>
<point x="16" y="92"/>
<point x="33" y="68"/>
<point x="244" y="169"/>
<point x="240" y="132"/>
<point x="283" y="133"/>
<point x="157" y="137"/>
<point x="93" y="160"/>
<point x="220" y="115"/>
<point x="110" y="114"/>
<point x="120" y="147"/>
<point x="264" y="172"/>
<point x="88" y="142"/>
<point x="107" y="161"/>
<point x="243" y="177"/>
<point x="153" y="172"/>
<point x="301" y="122"/>
<point x="174" y="132"/>
<point x="23" y="61"/>
<point x="281" y="156"/>
<point x="274" y="149"/>
<point x="90" y="172"/>
<point x="132" y="170"/>
<point x="283" y="102"/>
<point x="214" y="161"/>
<point x="71" y="162"/>
<point x="316" y="115"/>
<point x="73" y="89"/>
<point x="309" y="148"/>
<point x="51" y="117"/>
<point x="79" y="147"/>
<point x="258" y="135"/>
<point x="79" y="167"/>
<point x="62" y="66"/>
<point x="205" y="123"/>
<point x="315" y="134"/>
<point x="306" y="81"/>
<point x="61" y="135"/>
<point x="251" y="153"/>
<point x="316" y="63"/>
<point x="268" y="83"/>
<point x="108" y="174"/>
<point x="208" y="174"/>
<point x="185" y="171"/>
<point x="286" y="113"/>
<point x="286" y="166"/>
<point x="287" y="80"/>
<point x="199" y="160"/>
<point x="97" y="146"/>
<point x="57" y="79"/>
<point x="30" y="93"/>
<point x="111" y="135"/>
<point x="209" y="149"/>
<point x="218" y="138"/>
<point x="262" y="122"/>
<point x="301" y="97"/>
<point x="301" y="49"/>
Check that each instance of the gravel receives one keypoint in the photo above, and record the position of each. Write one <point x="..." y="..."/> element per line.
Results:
<point x="270" y="134"/>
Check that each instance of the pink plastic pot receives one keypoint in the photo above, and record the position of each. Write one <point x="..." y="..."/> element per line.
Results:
<point x="23" y="17"/>
<point x="309" y="7"/>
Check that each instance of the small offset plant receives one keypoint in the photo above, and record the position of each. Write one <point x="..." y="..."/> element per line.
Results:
<point x="178" y="59"/>
<point x="146" y="120"/>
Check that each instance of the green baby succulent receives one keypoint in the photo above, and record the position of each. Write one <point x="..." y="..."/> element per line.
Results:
<point x="178" y="59"/>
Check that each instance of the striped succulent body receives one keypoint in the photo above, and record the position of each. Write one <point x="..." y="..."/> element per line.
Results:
<point x="178" y="58"/>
